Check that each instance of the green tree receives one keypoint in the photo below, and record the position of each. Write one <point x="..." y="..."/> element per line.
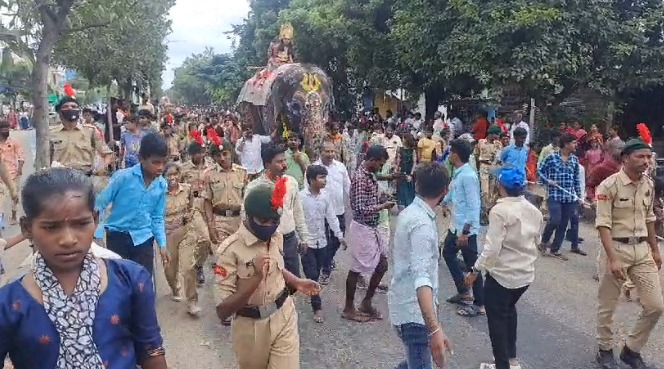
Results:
<point x="34" y="30"/>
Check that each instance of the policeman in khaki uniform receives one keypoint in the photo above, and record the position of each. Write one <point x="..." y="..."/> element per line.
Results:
<point x="76" y="145"/>
<point x="224" y="188"/>
<point x="193" y="173"/>
<point x="251" y="286"/>
<point x="626" y="224"/>
<point x="487" y="152"/>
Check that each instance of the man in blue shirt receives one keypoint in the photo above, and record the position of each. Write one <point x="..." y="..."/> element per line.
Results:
<point x="413" y="311"/>
<point x="464" y="196"/>
<point x="516" y="155"/>
<point x="138" y="199"/>
<point x="560" y="171"/>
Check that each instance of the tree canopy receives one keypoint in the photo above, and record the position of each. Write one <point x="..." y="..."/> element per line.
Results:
<point x="547" y="50"/>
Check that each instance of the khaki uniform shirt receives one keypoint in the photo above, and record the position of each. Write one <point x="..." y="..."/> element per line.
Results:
<point x="173" y="145"/>
<point x="487" y="151"/>
<point x="77" y="148"/>
<point x="225" y="188"/>
<point x="625" y="206"/>
<point x="234" y="267"/>
<point x="178" y="207"/>
<point x="195" y="176"/>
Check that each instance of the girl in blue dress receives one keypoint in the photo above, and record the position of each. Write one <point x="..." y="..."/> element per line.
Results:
<point x="73" y="310"/>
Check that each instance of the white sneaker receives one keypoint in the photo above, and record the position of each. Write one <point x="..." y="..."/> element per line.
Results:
<point x="487" y="366"/>
<point x="193" y="309"/>
<point x="177" y="298"/>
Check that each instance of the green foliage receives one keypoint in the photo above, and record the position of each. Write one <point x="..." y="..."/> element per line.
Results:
<point x="123" y="41"/>
<point x="543" y="49"/>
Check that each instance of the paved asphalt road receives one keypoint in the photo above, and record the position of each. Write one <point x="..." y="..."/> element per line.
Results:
<point x="556" y="321"/>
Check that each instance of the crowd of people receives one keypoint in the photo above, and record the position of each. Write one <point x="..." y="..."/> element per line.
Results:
<point x="272" y="212"/>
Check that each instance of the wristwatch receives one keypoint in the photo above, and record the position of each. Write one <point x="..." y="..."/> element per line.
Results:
<point x="474" y="270"/>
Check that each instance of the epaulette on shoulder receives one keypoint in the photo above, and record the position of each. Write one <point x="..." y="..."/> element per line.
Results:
<point x="226" y="243"/>
<point x="239" y="167"/>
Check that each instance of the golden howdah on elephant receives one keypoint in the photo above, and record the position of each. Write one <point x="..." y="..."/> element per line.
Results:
<point x="294" y="97"/>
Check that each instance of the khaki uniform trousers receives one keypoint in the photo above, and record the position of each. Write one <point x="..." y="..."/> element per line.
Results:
<point x="270" y="343"/>
<point x="601" y="261"/>
<point x="225" y="226"/>
<point x="486" y="186"/>
<point x="639" y="265"/>
<point x="182" y="269"/>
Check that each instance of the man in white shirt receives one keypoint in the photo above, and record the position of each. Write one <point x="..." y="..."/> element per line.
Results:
<point x="518" y="122"/>
<point x="337" y="189"/>
<point x="248" y="148"/>
<point x="508" y="259"/>
<point x="456" y="125"/>
<point x="438" y="124"/>
<point x="319" y="213"/>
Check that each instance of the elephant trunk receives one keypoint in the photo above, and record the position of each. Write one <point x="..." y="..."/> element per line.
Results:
<point x="313" y="126"/>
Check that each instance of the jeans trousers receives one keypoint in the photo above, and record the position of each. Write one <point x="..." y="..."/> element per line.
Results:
<point x="312" y="263"/>
<point x="415" y="338"/>
<point x="291" y="256"/>
<point x="469" y="254"/>
<point x="560" y="214"/>
<point x="122" y="244"/>
<point x="333" y="243"/>
<point x="502" y="317"/>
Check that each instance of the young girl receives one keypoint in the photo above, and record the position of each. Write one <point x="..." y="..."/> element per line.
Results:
<point x="593" y="155"/>
<point x="181" y="240"/>
<point x="73" y="310"/>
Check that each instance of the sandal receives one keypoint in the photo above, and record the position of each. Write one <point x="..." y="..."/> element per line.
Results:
<point x="318" y="319"/>
<point x="461" y="299"/>
<point x="470" y="311"/>
<point x="324" y="279"/>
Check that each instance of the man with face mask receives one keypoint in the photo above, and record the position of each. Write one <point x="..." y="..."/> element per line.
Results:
<point x="251" y="284"/>
<point x="77" y="145"/>
<point x="193" y="173"/>
<point x="292" y="219"/>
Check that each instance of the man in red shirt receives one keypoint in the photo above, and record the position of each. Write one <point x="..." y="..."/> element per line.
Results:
<point x="481" y="126"/>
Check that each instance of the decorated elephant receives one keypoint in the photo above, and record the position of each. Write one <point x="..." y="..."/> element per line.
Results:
<point x="293" y="97"/>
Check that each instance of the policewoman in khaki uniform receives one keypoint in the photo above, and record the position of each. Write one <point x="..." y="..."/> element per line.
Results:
<point x="181" y="239"/>
<point x="251" y="285"/>
<point x="193" y="173"/>
<point x="626" y="223"/>
<point x="224" y="190"/>
<point x="76" y="145"/>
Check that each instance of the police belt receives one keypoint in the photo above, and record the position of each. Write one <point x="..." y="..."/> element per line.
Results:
<point x="226" y="213"/>
<point x="630" y="240"/>
<point x="264" y="311"/>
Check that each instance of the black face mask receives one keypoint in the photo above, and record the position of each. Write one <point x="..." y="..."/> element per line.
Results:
<point x="263" y="233"/>
<point x="70" y="115"/>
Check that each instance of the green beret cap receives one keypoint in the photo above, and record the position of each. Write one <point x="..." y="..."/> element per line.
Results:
<point x="195" y="148"/>
<point x="494" y="130"/>
<point x="258" y="203"/>
<point x="633" y="145"/>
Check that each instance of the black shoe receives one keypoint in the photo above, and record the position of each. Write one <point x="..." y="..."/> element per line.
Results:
<point x="200" y="276"/>
<point x="606" y="360"/>
<point x="633" y="359"/>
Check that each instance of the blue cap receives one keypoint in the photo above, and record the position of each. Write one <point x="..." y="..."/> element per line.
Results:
<point x="511" y="178"/>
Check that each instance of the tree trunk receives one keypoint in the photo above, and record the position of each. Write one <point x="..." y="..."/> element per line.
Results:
<point x="40" y="100"/>
<point x="433" y="96"/>
<point x="52" y="19"/>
